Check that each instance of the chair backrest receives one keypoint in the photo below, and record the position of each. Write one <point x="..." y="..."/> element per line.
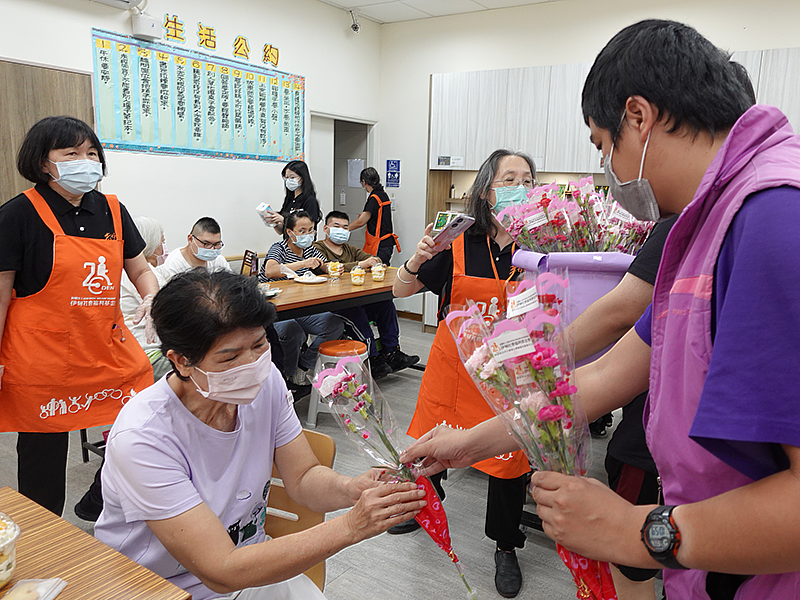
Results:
<point x="249" y="263"/>
<point x="275" y="525"/>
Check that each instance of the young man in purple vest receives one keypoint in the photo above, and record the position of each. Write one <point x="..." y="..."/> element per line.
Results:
<point x="668" y="109"/>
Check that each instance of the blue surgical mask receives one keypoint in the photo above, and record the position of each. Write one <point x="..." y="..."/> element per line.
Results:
<point x="304" y="241"/>
<point x="79" y="176"/>
<point x="206" y="254"/>
<point x="635" y="196"/>
<point x="508" y="196"/>
<point x="339" y="235"/>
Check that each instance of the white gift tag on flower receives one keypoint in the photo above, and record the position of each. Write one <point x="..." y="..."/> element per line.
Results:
<point x="326" y="389"/>
<point x="534" y="221"/>
<point x="621" y="214"/>
<point x="522" y="374"/>
<point x="511" y="344"/>
<point x="522" y="303"/>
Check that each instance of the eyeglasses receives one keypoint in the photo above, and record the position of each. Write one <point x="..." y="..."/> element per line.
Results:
<point x="209" y="245"/>
<point x="512" y="182"/>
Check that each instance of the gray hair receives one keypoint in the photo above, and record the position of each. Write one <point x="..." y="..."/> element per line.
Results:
<point x="152" y="232"/>
<point x="477" y="205"/>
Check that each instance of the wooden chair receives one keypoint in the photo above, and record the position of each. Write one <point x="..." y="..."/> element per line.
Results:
<point x="285" y="516"/>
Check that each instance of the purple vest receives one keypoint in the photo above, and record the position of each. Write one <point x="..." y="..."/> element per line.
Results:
<point x="760" y="152"/>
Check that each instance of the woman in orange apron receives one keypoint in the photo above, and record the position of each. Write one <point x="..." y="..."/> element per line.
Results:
<point x="476" y="268"/>
<point x="380" y="239"/>
<point x="68" y="361"/>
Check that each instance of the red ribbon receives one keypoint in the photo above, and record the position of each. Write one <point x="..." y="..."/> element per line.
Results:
<point x="592" y="577"/>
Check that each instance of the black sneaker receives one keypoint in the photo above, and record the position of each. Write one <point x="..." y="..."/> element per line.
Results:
<point x="88" y="508"/>
<point x="298" y="391"/>
<point x="404" y="527"/>
<point x="507" y="575"/>
<point x="399" y="360"/>
<point x="379" y="367"/>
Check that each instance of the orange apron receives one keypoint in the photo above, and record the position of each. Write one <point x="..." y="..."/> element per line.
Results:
<point x="70" y="361"/>
<point x="372" y="242"/>
<point x="448" y="396"/>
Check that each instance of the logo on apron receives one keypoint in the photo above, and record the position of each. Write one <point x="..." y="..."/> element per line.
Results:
<point x="490" y="312"/>
<point x="97" y="281"/>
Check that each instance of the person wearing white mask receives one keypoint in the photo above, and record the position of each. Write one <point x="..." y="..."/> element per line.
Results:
<point x="68" y="360"/>
<point x="296" y="253"/>
<point x="189" y="460"/>
<point x="300" y="195"/>
<point x="203" y="249"/>
<point x="335" y="248"/>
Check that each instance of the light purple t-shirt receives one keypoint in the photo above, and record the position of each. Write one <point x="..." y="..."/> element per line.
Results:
<point x="161" y="461"/>
<point x="749" y="405"/>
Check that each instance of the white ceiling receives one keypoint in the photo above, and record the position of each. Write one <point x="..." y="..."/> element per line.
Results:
<point x="393" y="11"/>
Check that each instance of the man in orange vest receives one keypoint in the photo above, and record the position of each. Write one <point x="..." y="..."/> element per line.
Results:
<point x="377" y="216"/>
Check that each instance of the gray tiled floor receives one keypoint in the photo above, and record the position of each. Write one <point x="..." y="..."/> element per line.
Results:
<point x="391" y="567"/>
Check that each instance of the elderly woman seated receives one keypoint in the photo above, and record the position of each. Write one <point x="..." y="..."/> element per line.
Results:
<point x="189" y="459"/>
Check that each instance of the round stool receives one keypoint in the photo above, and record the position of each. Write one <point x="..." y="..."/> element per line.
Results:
<point x="327" y="357"/>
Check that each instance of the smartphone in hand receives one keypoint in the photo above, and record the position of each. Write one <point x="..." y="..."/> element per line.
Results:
<point x="457" y="225"/>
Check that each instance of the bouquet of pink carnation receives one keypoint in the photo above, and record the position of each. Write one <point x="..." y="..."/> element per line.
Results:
<point x="524" y="372"/>
<point x="365" y="416"/>
<point x="577" y="220"/>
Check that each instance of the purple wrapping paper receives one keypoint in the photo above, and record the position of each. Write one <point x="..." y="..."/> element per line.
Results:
<point x="591" y="276"/>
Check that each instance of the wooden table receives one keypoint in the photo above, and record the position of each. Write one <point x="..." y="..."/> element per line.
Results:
<point x="302" y="299"/>
<point x="50" y="547"/>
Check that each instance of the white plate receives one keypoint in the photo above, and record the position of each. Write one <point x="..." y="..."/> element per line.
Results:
<point x="315" y="280"/>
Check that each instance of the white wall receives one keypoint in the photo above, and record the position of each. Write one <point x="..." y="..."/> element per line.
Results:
<point x="558" y="32"/>
<point x="314" y="41"/>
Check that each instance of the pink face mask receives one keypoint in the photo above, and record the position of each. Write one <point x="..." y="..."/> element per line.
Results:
<point x="161" y="258"/>
<point x="239" y="385"/>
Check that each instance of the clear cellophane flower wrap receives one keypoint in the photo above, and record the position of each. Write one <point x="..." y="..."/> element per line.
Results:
<point x="366" y="418"/>
<point x="523" y="368"/>
<point x="575" y="219"/>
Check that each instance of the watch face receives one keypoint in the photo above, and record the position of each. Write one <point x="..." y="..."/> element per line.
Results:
<point x="658" y="537"/>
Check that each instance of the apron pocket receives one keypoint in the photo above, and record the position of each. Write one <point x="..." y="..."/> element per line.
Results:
<point x="40" y="356"/>
<point x="440" y="387"/>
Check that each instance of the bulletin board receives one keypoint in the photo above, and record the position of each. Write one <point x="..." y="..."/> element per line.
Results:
<point x="161" y="99"/>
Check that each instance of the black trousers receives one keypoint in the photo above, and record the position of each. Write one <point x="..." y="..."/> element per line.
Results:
<point x="42" y="468"/>
<point x="504" y="503"/>
<point x="385" y="253"/>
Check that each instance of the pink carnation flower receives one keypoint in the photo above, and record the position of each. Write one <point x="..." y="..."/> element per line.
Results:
<point x="361" y="389"/>
<point x="563" y="388"/>
<point x="552" y="413"/>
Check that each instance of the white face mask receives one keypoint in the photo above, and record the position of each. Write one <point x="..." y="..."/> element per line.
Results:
<point x="239" y="385"/>
<point x="291" y="184"/>
<point x="206" y="254"/>
<point x="338" y="235"/>
<point x="635" y="196"/>
<point x="78" y="176"/>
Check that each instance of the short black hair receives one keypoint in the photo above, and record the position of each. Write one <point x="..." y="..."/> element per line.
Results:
<point x="198" y="307"/>
<point x="670" y="64"/>
<point x="744" y="79"/>
<point x="53" y="133"/>
<point x="370" y="177"/>
<point x="336" y="214"/>
<point x="206" y="225"/>
<point x="291" y="220"/>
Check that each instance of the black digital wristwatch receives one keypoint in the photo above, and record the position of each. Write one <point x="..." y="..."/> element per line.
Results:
<point x="662" y="538"/>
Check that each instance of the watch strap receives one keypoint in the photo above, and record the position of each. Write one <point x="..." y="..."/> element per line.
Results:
<point x="668" y="558"/>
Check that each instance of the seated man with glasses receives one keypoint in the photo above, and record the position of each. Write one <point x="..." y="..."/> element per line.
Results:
<point x="203" y="248"/>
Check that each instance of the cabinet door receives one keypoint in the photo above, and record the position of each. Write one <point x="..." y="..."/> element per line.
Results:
<point x="780" y="74"/>
<point x="750" y="60"/>
<point x="568" y="148"/>
<point x="448" y="136"/>
<point x="526" y="111"/>
<point x="487" y="106"/>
